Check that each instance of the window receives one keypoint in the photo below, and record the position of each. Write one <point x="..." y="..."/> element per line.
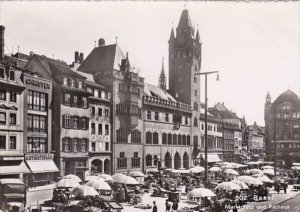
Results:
<point x="100" y="112"/>
<point x="164" y="138"/>
<point x="93" y="128"/>
<point x="2" y="142"/>
<point x="167" y="117"/>
<point x="83" y="145"/>
<point x="84" y="123"/>
<point x="156" y="116"/>
<point x="75" y="101"/>
<point x="13" y="119"/>
<point x="93" y="111"/>
<point x="195" y="106"/>
<point x="148" y="114"/>
<point x="99" y="129"/>
<point x="12" y="142"/>
<point x="84" y="102"/>
<point x="174" y="139"/>
<point x="148" y="138"/>
<point x="155" y="160"/>
<point x="195" y="92"/>
<point x="106" y="146"/>
<point x="42" y="124"/>
<point x="106" y="129"/>
<point x="65" y="81"/>
<point x="195" y="122"/>
<point x="149" y="160"/>
<point x="36" y="100"/>
<point x="93" y="146"/>
<point x="122" y="135"/>
<point x="96" y="93"/>
<point x="67" y="121"/>
<point x="79" y="84"/>
<point x="155" y="138"/>
<point x="106" y="113"/>
<point x="12" y="75"/>
<point x="72" y="84"/>
<point x="2" y="94"/>
<point x="66" y="145"/>
<point x="135" y="161"/>
<point x="13" y="96"/>
<point x="186" y="120"/>
<point x="36" y="145"/>
<point x="29" y="122"/>
<point x="67" y="99"/>
<point x="122" y="161"/>
<point x="2" y="73"/>
<point x="75" y="145"/>
<point x="135" y="136"/>
<point x="75" y="122"/>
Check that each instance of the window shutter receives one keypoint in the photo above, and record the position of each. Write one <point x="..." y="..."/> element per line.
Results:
<point x="64" y="121"/>
<point x="79" y="145"/>
<point x="80" y="122"/>
<point x="71" y="122"/>
<point x="71" y="144"/>
<point x="87" y="123"/>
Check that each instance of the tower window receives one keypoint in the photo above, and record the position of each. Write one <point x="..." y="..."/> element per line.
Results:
<point x="180" y="67"/>
<point x="196" y="68"/>
<point x="195" y="92"/>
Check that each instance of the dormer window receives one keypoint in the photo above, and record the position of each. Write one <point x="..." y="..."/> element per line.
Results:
<point x="2" y="73"/>
<point x="79" y="84"/>
<point x="12" y="75"/>
<point x="96" y="93"/>
<point x="65" y="81"/>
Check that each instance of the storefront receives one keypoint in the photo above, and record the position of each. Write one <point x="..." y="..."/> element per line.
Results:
<point x="77" y="166"/>
<point x="42" y="169"/>
<point x="13" y="167"/>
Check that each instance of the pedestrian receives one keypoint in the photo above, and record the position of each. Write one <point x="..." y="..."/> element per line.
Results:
<point x="154" y="209"/>
<point x="175" y="205"/>
<point x="168" y="206"/>
<point x="285" y="187"/>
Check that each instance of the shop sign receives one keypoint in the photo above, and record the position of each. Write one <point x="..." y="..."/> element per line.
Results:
<point x="35" y="135"/>
<point x="37" y="83"/>
<point x="39" y="156"/>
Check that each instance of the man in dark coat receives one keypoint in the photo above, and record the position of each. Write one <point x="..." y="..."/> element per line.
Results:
<point x="154" y="209"/>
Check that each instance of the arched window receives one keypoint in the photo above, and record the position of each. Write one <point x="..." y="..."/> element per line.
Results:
<point x="195" y="122"/>
<point x="195" y="106"/>
<point x="155" y="138"/>
<point x="148" y="138"/>
<point x="184" y="140"/>
<point x="164" y="138"/>
<point x="186" y="161"/>
<point x="188" y="141"/>
<point x="169" y="139"/>
<point x="177" y="161"/>
<point x="179" y="139"/>
<point x="136" y="136"/>
<point x="149" y="160"/>
<point x="168" y="160"/>
<point x="174" y="139"/>
<point x="195" y="140"/>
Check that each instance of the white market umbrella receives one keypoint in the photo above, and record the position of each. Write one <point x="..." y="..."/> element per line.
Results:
<point x="136" y="174"/>
<point x="231" y="172"/>
<point x="268" y="167"/>
<point x="93" y="178"/>
<point x="228" y="186"/>
<point x="250" y="180"/>
<point x="121" y="178"/>
<point x="99" y="185"/>
<point x="240" y="184"/>
<point x="265" y="179"/>
<point x="197" y="169"/>
<point x="84" y="191"/>
<point x="67" y="183"/>
<point x="106" y="177"/>
<point x="269" y="172"/>
<point x="72" y="177"/>
<point x="215" y="169"/>
<point x="295" y="168"/>
<point x="201" y="192"/>
<point x="254" y="171"/>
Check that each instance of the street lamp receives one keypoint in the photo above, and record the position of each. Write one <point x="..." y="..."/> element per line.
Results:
<point x="275" y="142"/>
<point x="205" y="120"/>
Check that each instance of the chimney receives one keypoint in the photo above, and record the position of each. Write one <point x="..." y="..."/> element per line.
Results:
<point x="2" y="28"/>
<point x="76" y="57"/>
<point x="81" y="58"/>
<point x="101" y="42"/>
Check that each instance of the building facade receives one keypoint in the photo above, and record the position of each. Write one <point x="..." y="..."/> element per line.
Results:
<point x="283" y="115"/>
<point x="255" y="141"/>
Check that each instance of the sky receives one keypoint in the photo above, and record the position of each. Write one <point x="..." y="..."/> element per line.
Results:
<point x="254" y="45"/>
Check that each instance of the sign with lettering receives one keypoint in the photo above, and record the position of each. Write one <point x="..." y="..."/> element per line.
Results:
<point x="39" y="156"/>
<point x="37" y="83"/>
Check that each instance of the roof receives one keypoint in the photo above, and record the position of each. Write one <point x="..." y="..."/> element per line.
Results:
<point x="103" y="58"/>
<point x="89" y="77"/>
<point x="52" y="67"/>
<point x="155" y="91"/>
<point x="288" y="96"/>
<point x="185" y="20"/>
<point x="221" y="111"/>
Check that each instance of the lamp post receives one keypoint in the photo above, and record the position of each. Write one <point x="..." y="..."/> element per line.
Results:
<point x="205" y="120"/>
<point x="275" y="142"/>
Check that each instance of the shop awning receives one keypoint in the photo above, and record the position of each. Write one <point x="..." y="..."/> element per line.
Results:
<point x="8" y="170"/>
<point x="212" y="158"/>
<point x="42" y="166"/>
<point x="296" y="164"/>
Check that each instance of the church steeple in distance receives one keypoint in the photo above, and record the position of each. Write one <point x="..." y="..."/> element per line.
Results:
<point x="162" y="82"/>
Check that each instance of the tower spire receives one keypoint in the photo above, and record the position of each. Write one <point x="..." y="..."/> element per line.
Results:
<point x="162" y="82"/>
<point x="172" y="36"/>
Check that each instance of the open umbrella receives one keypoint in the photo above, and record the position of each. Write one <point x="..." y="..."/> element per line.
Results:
<point x="72" y="177"/>
<point x="131" y="181"/>
<point x="136" y="174"/>
<point x="215" y="169"/>
<point x="93" y="178"/>
<point x="231" y="172"/>
<point x="106" y="177"/>
<point x="254" y="171"/>
<point x="197" y="169"/>
<point x="265" y="179"/>
<point x="99" y="185"/>
<point x="269" y="172"/>
<point x="84" y="191"/>
<point x="67" y="183"/>
<point x="240" y="184"/>
<point x="268" y="167"/>
<point x="201" y="192"/>
<point x="295" y="168"/>
<point x="250" y="180"/>
<point x="228" y="186"/>
<point x="121" y="178"/>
